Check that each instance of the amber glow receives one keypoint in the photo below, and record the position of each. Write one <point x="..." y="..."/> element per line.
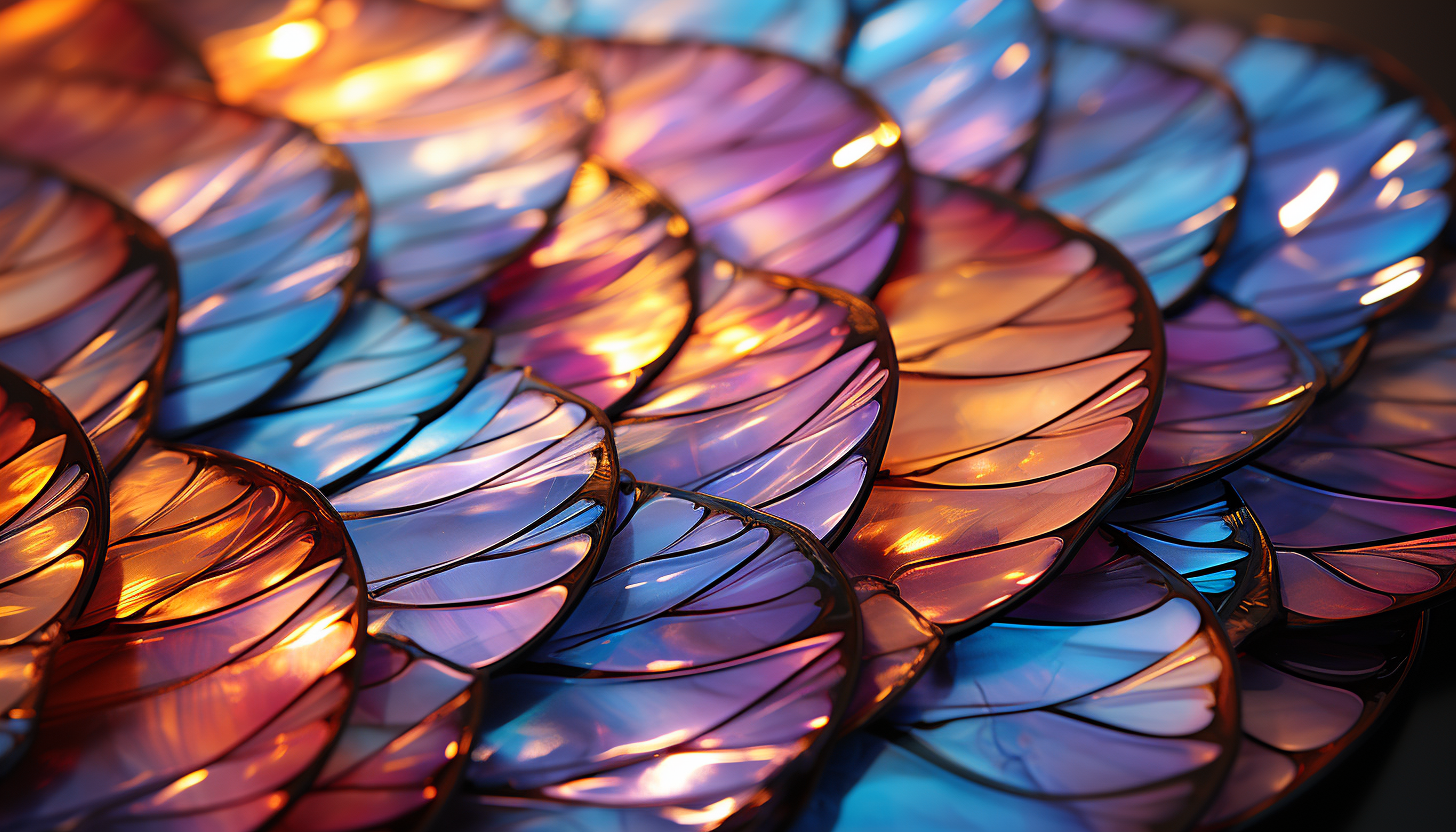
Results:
<point x="294" y="40"/>
<point x="854" y="151"/>
<point x="1393" y="158"/>
<point x="37" y="18"/>
<point x="451" y="750"/>
<point x="818" y="722"/>
<point x="1297" y="212"/>
<point x="1207" y="215"/>
<point x="1011" y="60"/>
<point x="1394" y="279"/>
<point x="1284" y="397"/>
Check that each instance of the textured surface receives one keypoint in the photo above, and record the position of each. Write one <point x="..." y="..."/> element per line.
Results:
<point x="777" y="165"/>
<point x="214" y="662"/>
<point x="266" y="222"/>
<point x="89" y="299"/>
<point x="693" y="688"/>
<point x="52" y="535"/>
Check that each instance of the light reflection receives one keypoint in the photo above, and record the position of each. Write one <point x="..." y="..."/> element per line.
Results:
<point x="914" y="541"/>
<point x="1389" y="193"/>
<point x="1297" y="212"/>
<point x="1011" y="60"/>
<point x="296" y="39"/>
<point x="1393" y="158"/>
<point x="1207" y="215"/>
<point x="1394" y="279"/>
<point x="854" y="151"/>
<point x="1284" y="397"/>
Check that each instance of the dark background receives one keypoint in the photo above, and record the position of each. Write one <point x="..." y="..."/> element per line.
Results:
<point x="1403" y="777"/>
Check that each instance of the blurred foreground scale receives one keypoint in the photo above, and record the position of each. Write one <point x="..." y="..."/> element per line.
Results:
<point x="214" y="663"/>
<point x="464" y="130"/>
<point x="102" y="36"/>
<point x="88" y="304"/>
<point x="267" y="223"/>
<point x="52" y="536"/>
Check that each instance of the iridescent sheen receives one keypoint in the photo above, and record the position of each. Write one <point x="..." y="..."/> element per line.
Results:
<point x="1306" y="699"/>
<point x="1030" y="361"/>
<point x="967" y="82"/>
<point x="1345" y="190"/>
<point x="1106" y="702"/>
<point x="267" y="223"/>
<point x="1236" y="383"/>
<point x="781" y="399"/>
<point x="509" y="479"/>
<point x="215" y="660"/>
<point x="52" y="534"/>
<point x="401" y="750"/>
<point x="778" y="165"/>
<point x="806" y="29"/>
<point x="1149" y="156"/>
<point x="464" y="130"/>
<point x="695" y="686"/>
<point x="601" y="302"/>
<point x="106" y="36"/>
<point x="88" y="305"/>
<point x="1212" y="540"/>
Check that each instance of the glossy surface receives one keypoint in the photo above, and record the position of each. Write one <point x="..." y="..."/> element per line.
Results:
<point x="602" y="301"/>
<point x="107" y="36"/>
<point x="88" y="305"/>
<point x="267" y="223"/>
<point x="780" y="399"/>
<point x="1106" y="702"/>
<point x="1306" y="700"/>
<point x="1030" y="363"/>
<point x="1212" y="540"/>
<point x="1148" y="156"/>
<point x="464" y="130"/>
<point x="1344" y="193"/>
<point x="401" y="749"/>
<point x="1236" y="384"/>
<point x="214" y="662"/>
<point x="965" y="79"/>
<point x="52" y="535"/>
<point x="807" y="29"/>
<point x="777" y="165"/>
<point x="693" y="688"/>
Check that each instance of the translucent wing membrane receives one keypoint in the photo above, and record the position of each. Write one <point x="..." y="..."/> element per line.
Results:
<point x="214" y="662"/>
<point x="1107" y="701"/>
<point x="693" y="688"/>
<point x="807" y="29"/>
<point x="780" y="399"/>
<point x="1030" y="363"/>
<point x="1236" y="383"/>
<point x="400" y="752"/>
<point x="778" y="165"/>
<point x="108" y="36"/>
<point x="1147" y="155"/>
<point x="89" y="296"/>
<point x="267" y="223"/>
<point x="966" y="81"/>
<point x="602" y="301"/>
<point x="52" y="535"/>
<point x="1345" y="191"/>
<point x="1306" y="700"/>
<point x="511" y="480"/>
<point x="465" y="132"/>
<point x="1210" y="538"/>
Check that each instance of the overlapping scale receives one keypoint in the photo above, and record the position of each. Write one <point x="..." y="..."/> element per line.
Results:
<point x="52" y="535"/>
<point x="1212" y="540"/>
<point x="214" y="662"/>
<point x="780" y="399"/>
<point x="1107" y="701"/>
<point x="510" y="480"/>
<point x="807" y="29"/>
<point x="1147" y="155"/>
<point x="464" y="130"/>
<point x="1345" y="193"/>
<point x="695" y="687"/>
<point x="602" y="301"/>
<point x="1236" y="384"/>
<point x="778" y="165"/>
<point x="399" y="755"/>
<point x="88" y="297"/>
<point x="108" y="36"/>
<point x="266" y="222"/>
<point x="966" y="81"/>
<point x="1306" y="700"/>
<point x="1030" y="363"/>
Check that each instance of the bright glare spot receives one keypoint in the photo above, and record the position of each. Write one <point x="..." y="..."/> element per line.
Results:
<point x="818" y="722"/>
<point x="451" y="750"/>
<point x="914" y="542"/>
<point x="677" y="226"/>
<point x="706" y="817"/>
<point x="1393" y="158"/>
<point x="1392" y="189"/>
<point x="886" y="134"/>
<point x="1207" y="215"/>
<point x="853" y="152"/>
<point x="1284" y="397"/>
<point x="429" y="793"/>
<point x="1296" y="212"/>
<point x="1011" y="60"/>
<point x="661" y="665"/>
<point x="1394" y="279"/>
<point x="294" y="40"/>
